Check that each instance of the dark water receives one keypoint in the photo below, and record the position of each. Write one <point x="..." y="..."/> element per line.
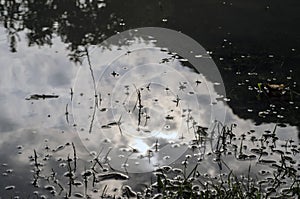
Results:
<point x="68" y="99"/>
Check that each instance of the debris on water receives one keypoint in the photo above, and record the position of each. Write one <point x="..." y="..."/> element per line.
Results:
<point x="9" y="170"/>
<point x="10" y="187"/>
<point x="78" y="195"/>
<point x="105" y="127"/>
<point x="264" y="161"/>
<point x="103" y="109"/>
<point x="114" y="74"/>
<point x="41" y="96"/>
<point x="49" y="187"/>
<point x="69" y="174"/>
<point x="275" y="89"/>
<point x="77" y="183"/>
<point x="87" y="173"/>
<point x="166" y="157"/>
<point x="59" y="148"/>
<point x="112" y="176"/>
<point x="169" y="117"/>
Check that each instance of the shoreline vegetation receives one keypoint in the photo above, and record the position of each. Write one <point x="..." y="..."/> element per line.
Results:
<point x="183" y="180"/>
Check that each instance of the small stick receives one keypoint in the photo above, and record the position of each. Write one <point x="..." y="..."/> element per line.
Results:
<point x="67" y="114"/>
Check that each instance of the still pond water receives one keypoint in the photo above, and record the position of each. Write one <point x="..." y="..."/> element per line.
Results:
<point x="101" y="122"/>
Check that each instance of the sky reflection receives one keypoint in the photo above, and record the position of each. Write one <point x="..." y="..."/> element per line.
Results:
<point x="140" y="67"/>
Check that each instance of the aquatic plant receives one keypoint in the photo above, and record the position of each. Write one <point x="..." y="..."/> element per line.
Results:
<point x="92" y="177"/>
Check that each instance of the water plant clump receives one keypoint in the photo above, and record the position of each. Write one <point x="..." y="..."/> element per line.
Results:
<point x="268" y="168"/>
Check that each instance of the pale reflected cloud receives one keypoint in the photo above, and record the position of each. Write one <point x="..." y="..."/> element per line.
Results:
<point x="113" y="125"/>
<point x="162" y="79"/>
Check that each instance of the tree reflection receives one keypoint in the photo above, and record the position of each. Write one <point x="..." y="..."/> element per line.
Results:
<point x="80" y="23"/>
<point x="77" y="23"/>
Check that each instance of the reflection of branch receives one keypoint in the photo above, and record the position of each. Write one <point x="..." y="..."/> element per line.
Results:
<point x="92" y="73"/>
<point x="36" y="164"/>
<point x="139" y="104"/>
<point x="70" y="175"/>
<point x="95" y="90"/>
<point x="93" y="118"/>
<point x="75" y="157"/>
<point x="37" y="171"/>
<point x="139" y="107"/>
